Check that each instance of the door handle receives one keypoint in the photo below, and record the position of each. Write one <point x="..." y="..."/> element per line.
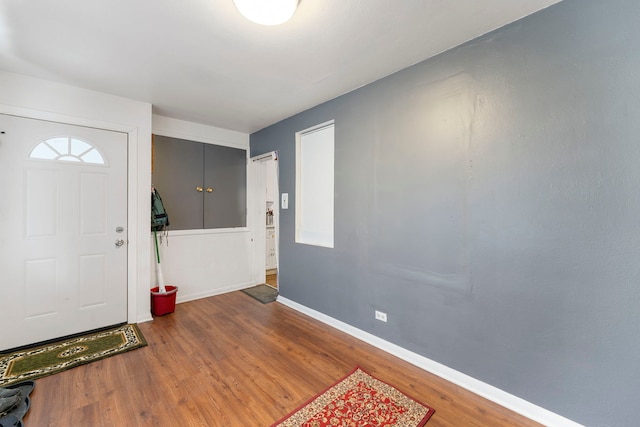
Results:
<point x="199" y="189"/>
<point x="119" y="243"/>
<point x="209" y="190"/>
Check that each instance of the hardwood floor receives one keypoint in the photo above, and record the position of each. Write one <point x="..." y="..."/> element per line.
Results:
<point x="229" y="360"/>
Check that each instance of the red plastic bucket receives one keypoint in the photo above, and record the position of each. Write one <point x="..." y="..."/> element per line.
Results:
<point x="162" y="304"/>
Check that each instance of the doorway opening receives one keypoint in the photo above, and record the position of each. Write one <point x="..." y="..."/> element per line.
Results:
<point x="271" y="191"/>
<point x="265" y="169"/>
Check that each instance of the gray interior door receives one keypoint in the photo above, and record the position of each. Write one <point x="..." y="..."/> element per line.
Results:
<point x="177" y="175"/>
<point x="225" y="178"/>
<point x="202" y="185"/>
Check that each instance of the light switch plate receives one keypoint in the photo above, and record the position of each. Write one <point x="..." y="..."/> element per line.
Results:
<point x="285" y="200"/>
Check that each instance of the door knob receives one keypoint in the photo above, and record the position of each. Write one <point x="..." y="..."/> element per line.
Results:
<point x="119" y="243"/>
<point x="209" y="190"/>
<point x="199" y="189"/>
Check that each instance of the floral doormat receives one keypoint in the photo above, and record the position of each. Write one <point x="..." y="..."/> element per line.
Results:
<point x="31" y="363"/>
<point x="359" y="400"/>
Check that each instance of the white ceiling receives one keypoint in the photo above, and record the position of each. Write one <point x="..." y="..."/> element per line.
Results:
<point x="199" y="60"/>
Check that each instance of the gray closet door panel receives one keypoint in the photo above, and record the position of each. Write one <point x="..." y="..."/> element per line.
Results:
<point x="177" y="173"/>
<point x="225" y="171"/>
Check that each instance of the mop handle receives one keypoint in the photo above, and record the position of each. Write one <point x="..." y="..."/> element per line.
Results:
<point x="155" y="236"/>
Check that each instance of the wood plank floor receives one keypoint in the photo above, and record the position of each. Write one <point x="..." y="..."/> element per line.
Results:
<point x="229" y="360"/>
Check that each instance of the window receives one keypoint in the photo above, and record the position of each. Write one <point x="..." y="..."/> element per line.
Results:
<point x="67" y="149"/>
<point x="314" y="185"/>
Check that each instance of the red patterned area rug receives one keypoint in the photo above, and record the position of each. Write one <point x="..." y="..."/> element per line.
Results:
<point x="359" y="400"/>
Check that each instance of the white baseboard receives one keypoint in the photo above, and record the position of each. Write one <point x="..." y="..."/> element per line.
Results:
<point x="143" y="319"/>
<point x="489" y="392"/>
<point x="211" y="292"/>
<point x="180" y="298"/>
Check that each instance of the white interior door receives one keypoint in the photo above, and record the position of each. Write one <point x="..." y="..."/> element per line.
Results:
<point x="63" y="229"/>
<point x="257" y="212"/>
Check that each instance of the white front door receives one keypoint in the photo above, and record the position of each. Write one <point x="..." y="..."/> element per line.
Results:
<point x="63" y="229"/>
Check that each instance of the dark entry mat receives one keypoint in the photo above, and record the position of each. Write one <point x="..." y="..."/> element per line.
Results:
<point x="263" y="293"/>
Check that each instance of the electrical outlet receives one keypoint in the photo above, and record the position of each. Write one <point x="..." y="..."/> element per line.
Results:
<point x="382" y="316"/>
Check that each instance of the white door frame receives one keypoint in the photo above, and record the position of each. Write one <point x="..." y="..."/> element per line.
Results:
<point x="132" y="187"/>
<point x="276" y="213"/>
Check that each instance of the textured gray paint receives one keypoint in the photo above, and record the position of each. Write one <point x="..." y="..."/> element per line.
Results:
<point x="488" y="200"/>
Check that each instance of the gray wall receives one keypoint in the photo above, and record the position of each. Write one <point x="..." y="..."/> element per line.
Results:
<point x="488" y="200"/>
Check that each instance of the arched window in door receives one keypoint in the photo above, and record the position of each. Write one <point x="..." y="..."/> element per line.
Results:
<point x="67" y="149"/>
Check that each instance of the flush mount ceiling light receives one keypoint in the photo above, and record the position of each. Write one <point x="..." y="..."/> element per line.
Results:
<point x="267" y="12"/>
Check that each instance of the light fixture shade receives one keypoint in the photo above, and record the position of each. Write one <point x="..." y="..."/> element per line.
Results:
<point x="267" y="12"/>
